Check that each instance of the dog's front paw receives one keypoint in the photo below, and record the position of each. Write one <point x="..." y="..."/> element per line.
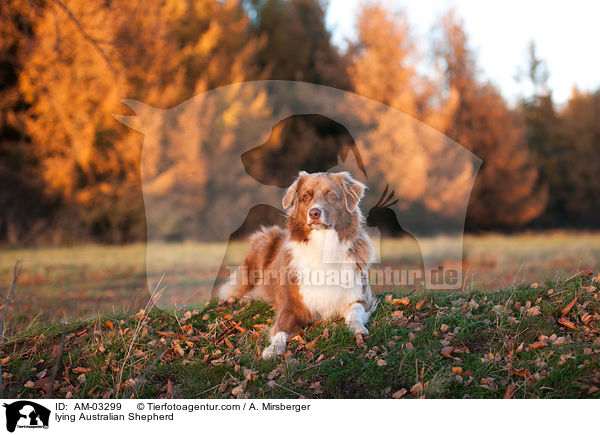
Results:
<point x="272" y="351"/>
<point x="277" y="346"/>
<point x="358" y="328"/>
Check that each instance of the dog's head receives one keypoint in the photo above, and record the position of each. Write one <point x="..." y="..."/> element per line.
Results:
<point x="323" y="201"/>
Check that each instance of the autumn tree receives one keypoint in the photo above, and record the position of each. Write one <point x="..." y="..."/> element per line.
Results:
<point x="399" y="150"/>
<point x="580" y="166"/>
<point x="506" y="193"/>
<point x="297" y="46"/>
<point x="543" y="131"/>
<point x="83" y="58"/>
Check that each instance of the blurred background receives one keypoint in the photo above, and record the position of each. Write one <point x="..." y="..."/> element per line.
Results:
<point x="518" y="86"/>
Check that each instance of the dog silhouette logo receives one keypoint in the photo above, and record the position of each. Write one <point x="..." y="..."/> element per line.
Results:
<point x="26" y="414"/>
<point x="200" y="177"/>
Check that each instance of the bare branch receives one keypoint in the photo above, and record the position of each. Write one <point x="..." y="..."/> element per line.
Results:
<point x="57" y="361"/>
<point x="86" y="35"/>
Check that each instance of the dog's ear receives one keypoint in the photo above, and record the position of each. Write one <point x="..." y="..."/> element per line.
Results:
<point x="290" y="199"/>
<point x="353" y="190"/>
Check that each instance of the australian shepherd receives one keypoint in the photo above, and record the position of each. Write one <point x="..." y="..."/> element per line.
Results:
<point x="317" y="268"/>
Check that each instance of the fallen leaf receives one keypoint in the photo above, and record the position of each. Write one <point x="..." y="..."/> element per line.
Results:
<point x="538" y="345"/>
<point x="421" y="303"/>
<point x="177" y="348"/>
<point x="398" y="394"/>
<point x="457" y="370"/>
<point x="510" y="390"/>
<point x="417" y="389"/>
<point x="273" y="374"/>
<point x="565" y="322"/>
<point x="403" y="301"/>
<point x="249" y="375"/>
<point x="381" y="363"/>
<point x="29" y="384"/>
<point x="109" y="324"/>
<point x="446" y="352"/>
<point x="524" y="373"/>
<point x="81" y="370"/>
<point x="566" y="309"/>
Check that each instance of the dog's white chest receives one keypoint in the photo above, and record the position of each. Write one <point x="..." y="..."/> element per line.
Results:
<point x="328" y="279"/>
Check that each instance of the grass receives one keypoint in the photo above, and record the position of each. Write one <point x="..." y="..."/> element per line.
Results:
<point x="69" y="283"/>
<point x="524" y="341"/>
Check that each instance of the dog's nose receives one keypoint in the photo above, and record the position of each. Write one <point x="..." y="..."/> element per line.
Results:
<point x="314" y="213"/>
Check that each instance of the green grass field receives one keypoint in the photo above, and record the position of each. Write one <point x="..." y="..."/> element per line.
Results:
<point x="76" y="328"/>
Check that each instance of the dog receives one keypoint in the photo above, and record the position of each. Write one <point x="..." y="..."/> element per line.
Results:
<point x="315" y="269"/>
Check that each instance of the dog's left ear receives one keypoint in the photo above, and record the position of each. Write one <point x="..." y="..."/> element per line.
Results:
<point x="353" y="190"/>
<point x="290" y="198"/>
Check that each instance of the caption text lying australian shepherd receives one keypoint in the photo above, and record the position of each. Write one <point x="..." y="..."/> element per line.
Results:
<point x="299" y="270"/>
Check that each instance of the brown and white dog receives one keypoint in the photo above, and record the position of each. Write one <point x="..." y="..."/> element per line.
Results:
<point x="317" y="268"/>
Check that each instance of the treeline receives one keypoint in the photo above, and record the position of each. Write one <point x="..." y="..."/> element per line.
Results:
<point x="70" y="172"/>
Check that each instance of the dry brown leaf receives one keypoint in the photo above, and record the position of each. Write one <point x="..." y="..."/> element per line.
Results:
<point x="537" y="345"/>
<point x="81" y="370"/>
<point x="566" y="322"/>
<point x="566" y="309"/>
<point x="109" y="324"/>
<point x="421" y="303"/>
<point x="249" y="375"/>
<point x="457" y="370"/>
<point x="446" y="352"/>
<point x="381" y="362"/>
<point x="273" y="374"/>
<point x="177" y="348"/>
<point x="402" y="301"/>
<point x="29" y="384"/>
<point x="398" y="394"/>
<point x="417" y="389"/>
<point x="510" y="390"/>
<point x="237" y="390"/>
<point x="524" y="373"/>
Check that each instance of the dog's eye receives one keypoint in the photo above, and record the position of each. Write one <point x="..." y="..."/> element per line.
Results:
<point x="306" y="196"/>
<point x="331" y="196"/>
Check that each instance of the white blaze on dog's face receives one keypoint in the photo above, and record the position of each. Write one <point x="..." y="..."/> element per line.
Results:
<point x="323" y="201"/>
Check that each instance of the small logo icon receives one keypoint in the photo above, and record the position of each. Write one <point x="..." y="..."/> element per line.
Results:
<point x="26" y="414"/>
